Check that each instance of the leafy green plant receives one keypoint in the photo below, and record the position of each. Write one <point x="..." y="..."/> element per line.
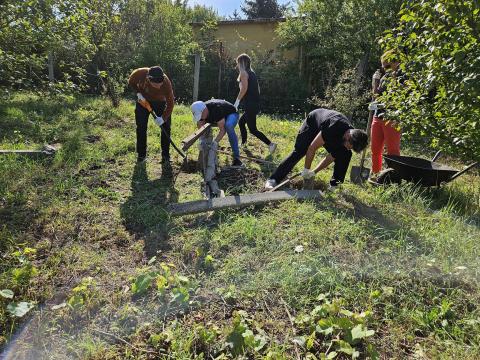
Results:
<point x="241" y="338"/>
<point x="437" y="43"/>
<point x="439" y="317"/>
<point x="19" y="309"/>
<point x="21" y="276"/>
<point x="83" y="295"/>
<point x="15" y="309"/>
<point x="345" y="95"/>
<point x="331" y="326"/>
<point x="164" y="279"/>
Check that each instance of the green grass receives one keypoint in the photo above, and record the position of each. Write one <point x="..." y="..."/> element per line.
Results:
<point x="79" y="231"/>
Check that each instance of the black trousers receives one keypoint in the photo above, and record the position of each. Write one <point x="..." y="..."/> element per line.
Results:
<point x="249" y="118"/>
<point x="141" y="119"/>
<point x="305" y="136"/>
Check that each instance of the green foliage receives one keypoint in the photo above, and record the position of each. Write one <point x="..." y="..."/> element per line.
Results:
<point x="6" y="294"/>
<point x="281" y="91"/>
<point x="331" y="326"/>
<point x="31" y="30"/>
<point x="254" y="9"/>
<point x="83" y="295"/>
<point x="241" y="339"/>
<point x="338" y="35"/>
<point x="345" y="95"/>
<point x="406" y="254"/>
<point x="438" y="43"/>
<point x="94" y="45"/>
<point x="19" y="309"/>
<point x="22" y="274"/>
<point x="178" y="286"/>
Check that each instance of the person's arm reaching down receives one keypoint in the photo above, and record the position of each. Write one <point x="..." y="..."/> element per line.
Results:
<point x="324" y="163"/>
<point x="243" y="88"/>
<point x="221" y="133"/>
<point x="312" y="149"/>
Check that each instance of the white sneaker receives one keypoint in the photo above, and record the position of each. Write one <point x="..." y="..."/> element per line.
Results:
<point x="272" y="147"/>
<point x="270" y="184"/>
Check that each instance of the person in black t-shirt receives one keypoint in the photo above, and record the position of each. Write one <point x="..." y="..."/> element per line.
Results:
<point x="333" y="131"/>
<point x="249" y="95"/>
<point x="225" y="116"/>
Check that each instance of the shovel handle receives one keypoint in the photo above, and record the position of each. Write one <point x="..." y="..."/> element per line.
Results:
<point x="369" y="126"/>
<point x="168" y="137"/>
<point x="285" y="182"/>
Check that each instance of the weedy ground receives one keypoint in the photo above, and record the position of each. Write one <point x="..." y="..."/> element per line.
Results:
<point x="94" y="267"/>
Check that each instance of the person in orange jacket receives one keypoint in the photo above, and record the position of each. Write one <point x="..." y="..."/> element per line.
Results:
<point x="154" y="87"/>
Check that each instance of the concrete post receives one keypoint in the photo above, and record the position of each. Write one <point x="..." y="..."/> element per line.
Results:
<point x="196" y="77"/>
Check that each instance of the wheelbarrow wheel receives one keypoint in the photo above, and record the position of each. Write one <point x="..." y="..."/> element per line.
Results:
<point x="388" y="176"/>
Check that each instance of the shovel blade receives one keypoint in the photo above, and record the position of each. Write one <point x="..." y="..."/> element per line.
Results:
<point x="358" y="175"/>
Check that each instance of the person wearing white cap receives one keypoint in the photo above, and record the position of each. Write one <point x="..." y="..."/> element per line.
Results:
<point x="225" y="116"/>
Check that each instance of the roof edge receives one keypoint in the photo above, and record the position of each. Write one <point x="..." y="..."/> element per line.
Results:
<point x="243" y="21"/>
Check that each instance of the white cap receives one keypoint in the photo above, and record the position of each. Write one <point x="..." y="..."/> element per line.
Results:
<point x="197" y="109"/>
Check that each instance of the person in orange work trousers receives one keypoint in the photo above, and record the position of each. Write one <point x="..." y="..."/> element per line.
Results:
<point x="152" y="85"/>
<point x="384" y="131"/>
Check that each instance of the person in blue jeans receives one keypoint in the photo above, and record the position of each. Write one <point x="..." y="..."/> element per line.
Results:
<point x="225" y="116"/>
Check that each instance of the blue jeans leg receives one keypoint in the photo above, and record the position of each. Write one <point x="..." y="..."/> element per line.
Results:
<point x="230" y="122"/>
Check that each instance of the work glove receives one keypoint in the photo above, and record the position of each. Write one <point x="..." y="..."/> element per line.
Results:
<point x="159" y="121"/>
<point x="237" y="102"/>
<point x="377" y="75"/>
<point x="376" y="106"/>
<point x="214" y="145"/>
<point x="140" y="97"/>
<point x="307" y="173"/>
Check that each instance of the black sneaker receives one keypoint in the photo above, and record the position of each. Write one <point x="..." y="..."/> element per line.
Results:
<point x="237" y="163"/>
<point x="141" y="159"/>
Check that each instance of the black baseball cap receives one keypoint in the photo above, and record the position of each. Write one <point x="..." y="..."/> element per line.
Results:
<point x="155" y="74"/>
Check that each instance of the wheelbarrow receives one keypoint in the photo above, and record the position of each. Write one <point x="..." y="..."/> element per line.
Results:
<point x="421" y="171"/>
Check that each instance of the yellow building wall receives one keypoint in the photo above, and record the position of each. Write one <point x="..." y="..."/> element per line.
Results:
<point x="252" y="38"/>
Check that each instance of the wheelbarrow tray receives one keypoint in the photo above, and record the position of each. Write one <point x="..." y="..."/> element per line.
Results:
<point x="420" y="171"/>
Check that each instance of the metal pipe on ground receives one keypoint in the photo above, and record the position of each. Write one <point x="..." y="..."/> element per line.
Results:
<point x="239" y="201"/>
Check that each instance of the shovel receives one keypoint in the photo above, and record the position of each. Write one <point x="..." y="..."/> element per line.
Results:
<point x="359" y="174"/>
<point x="285" y="182"/>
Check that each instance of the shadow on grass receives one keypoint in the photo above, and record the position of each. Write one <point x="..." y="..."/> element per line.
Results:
<point x="356" y="209"/>
<point x="454" y="200"/>
<point x="145" y="212"/>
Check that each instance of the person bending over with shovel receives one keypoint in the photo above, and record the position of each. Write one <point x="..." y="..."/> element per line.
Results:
<point x="333" y="131"/>
<point x="154" y="87"/>
<point x="225" y="116"/>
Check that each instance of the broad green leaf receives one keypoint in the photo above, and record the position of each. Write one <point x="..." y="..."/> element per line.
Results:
<point x="19" y="309"/>
<point x="345" y="347"/>
<point x="361" y="332"/>
<point x="142" y="283"/>
<point x="299" y="340"/>
<point x="161" y="282"/>
<point x="183" y="279"/>
<point x="7" y="294"/>
<point x="249" y="338"/>
<point x="310" y="341"/>
<point x="260" y="342"/>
